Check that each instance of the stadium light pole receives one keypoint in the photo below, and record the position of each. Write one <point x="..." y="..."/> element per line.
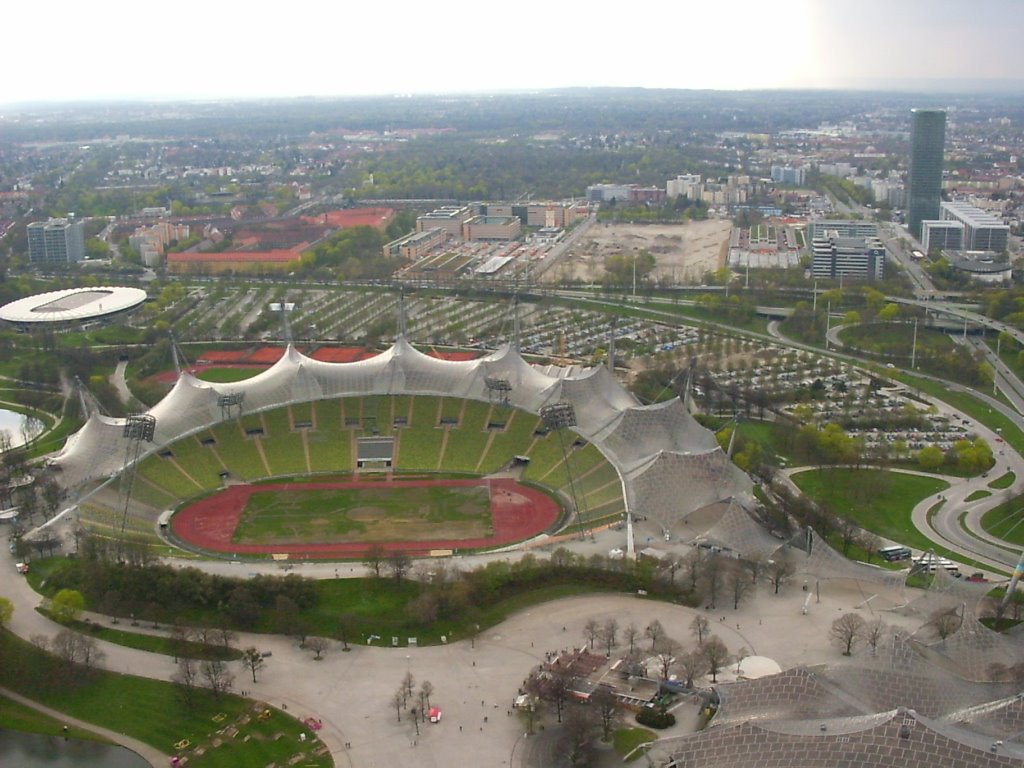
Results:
<point x="557" y="417"/>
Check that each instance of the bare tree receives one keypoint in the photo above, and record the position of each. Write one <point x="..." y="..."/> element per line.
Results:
<point x="874" y="631"/>
<point x="551" y="685"/>
<point x="849" y="532"/>
<point x="779" y="572"/>
<point x="869" y="542"/>
<point x="398" y="701"/>
<point x="591" y="630"/>
<point x="737" y="584"/>
<point x="399" y="564"/>
<point x="577" y="732"/>
<point x="665" y="653"/>
<point x="90" y="654"/>
<point x="710" y="583"/>
<point x="346" y="622"/>
<point x="945" y="622"/>
<point x="846" y="631"/>
<point x="185" y="680"/>
<point x="654" y="632"/>
<point x="606" y="705"/>
<point x="692" y="665"/>
<point x="671" y="563"/>
<point x="693" y="565"/>
<point x="225" y="637"/>
<point x="629" y="634"/>
<point x="317" y="645"/>
<point x="699" y="628"/>
<point x="374" y="558"/>
<point x="217" y="676"/>
<point x="408" y="684"/>
<point x="610" y="635"/>
<point x="253" y="660"/>
<point x="716" y="655"/>
<point x="426" y="688"/>
<point x="66" y="646"/>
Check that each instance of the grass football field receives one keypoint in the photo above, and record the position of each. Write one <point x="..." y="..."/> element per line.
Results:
<point x="328" y="515"/>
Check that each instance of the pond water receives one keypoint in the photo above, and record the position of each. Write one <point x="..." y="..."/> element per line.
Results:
<point x="18" y="426"/>
<point x="31" y="750"/>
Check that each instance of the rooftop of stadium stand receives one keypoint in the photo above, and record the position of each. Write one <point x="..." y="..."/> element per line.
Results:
<point x="73" y="305"/>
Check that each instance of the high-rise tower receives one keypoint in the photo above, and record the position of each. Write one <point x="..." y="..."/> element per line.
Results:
<point x="57" y="241"/>
<point x="927" y="142"/>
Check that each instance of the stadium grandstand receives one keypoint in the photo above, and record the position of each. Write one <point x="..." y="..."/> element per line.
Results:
<point x="303" y="416"/>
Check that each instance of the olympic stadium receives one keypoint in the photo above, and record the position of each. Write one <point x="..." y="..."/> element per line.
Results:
<point x="654" y="461"/>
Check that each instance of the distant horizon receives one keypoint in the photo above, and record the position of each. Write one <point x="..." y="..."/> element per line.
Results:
<point x="118" y="50"/>
<point x="940" y="87"/>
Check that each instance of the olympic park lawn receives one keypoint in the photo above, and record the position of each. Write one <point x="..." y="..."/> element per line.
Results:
<point x="276" y="516"/>
<point x="876" y="500"/>
<point x="156" y="713"/>
<point x="1006" y="521"/>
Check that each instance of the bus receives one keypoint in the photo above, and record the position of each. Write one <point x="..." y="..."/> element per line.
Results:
<point x="933" y="563"/>
<point x="894" y="553"/>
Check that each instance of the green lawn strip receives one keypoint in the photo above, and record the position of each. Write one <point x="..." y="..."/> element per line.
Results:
<point x="887" y="511"/>
<point x="1005" y="521"/>
<point x="54" y="439"/>
<point x="775" y="438"/>
<point x="1003" y="481"/>
<point x="378" y="607"/>
<point x="228" y="375"/>
<point x="16" y="716"/>
<point x="150" y="643"/>
<point x="626" y="740"/>
<point x="153" y="711"/>
<point x="977" y="495"/>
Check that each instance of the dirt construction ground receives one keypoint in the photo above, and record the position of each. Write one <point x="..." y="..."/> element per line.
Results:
<point x="683" y="252"/>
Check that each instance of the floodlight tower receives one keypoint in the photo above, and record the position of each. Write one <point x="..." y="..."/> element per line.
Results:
<point x="498" y="387"/>
<point x="138" y="429"/>
<point x="229" y="400"/>
<point x="558" y="417"/>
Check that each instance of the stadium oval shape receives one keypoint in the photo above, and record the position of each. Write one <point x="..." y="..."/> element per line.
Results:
<point x="71" y="306"/>
<point x="669" y="465"/>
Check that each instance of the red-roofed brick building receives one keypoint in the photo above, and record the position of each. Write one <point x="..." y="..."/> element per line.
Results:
<point x="211" y="262"/>
<point x="378" y="218"/>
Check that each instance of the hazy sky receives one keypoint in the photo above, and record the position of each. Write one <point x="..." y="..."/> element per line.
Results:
<point x="126" y="49"/>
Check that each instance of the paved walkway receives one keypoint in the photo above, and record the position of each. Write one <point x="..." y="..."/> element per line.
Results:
<point x="474" y="683"/>
<point x="153" y="756"/>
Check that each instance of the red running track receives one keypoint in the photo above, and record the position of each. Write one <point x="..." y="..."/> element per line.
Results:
<point x="517" y="513"/>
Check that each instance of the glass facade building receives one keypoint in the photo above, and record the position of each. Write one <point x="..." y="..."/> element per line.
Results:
<point x="927" y="142"/>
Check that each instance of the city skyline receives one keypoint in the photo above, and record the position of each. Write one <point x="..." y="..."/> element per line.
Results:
<point x="122" y="51"/>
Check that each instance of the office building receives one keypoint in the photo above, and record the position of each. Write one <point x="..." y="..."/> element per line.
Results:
<point x="817" y="228"/>
<point x="982" y="230"/>
<point x="450" y="218"/>
<point x="834" y="256"/>
<point x="927" y="143"/>
<point x="491" y="228"/>
<point x="784" y="174"/>
<point x="942" y="235"/>
<point x="57" y="241"/>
